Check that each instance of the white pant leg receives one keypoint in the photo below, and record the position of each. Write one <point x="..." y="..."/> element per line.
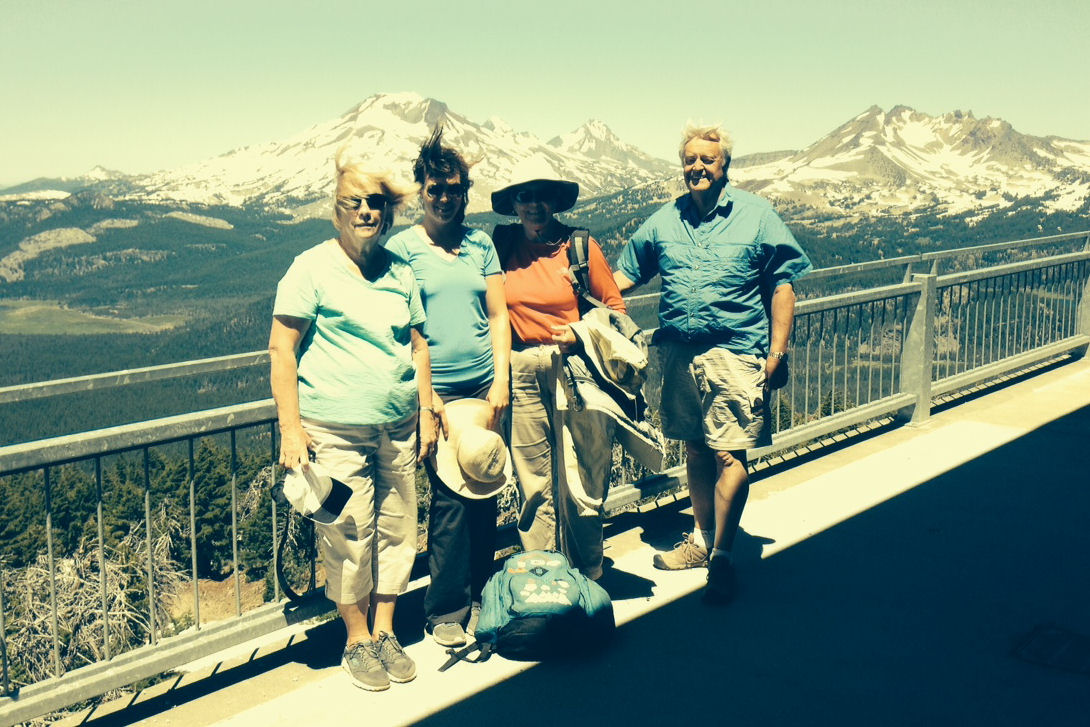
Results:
<point x="588" y="460"/>
<point x="532" y="394"/>
<point x="395" y="505"/>
<point x="347" y="546"/>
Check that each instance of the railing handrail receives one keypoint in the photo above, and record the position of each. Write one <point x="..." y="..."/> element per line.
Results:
<point x="925" y="257"/>
<point x="1012" y="268"/>
<point x="110" y="379"/>
<point x="25" y="456"/>
<point x="90" y="382"/>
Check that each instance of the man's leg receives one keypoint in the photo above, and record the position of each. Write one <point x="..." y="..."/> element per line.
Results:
<point x="702" y="469"/>
<point x="693" y="551"/>
<point x="731" y="493"/>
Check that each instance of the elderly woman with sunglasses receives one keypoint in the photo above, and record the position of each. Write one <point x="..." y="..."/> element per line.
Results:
<point x="542" y="304"/>
<point x="350" y="370"/>
<point x="469" y="339"/>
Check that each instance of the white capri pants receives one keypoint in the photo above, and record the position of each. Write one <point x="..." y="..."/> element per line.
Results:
<point x="372" y="545"/>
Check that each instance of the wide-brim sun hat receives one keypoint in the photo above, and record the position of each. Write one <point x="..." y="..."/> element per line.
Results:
<point x="539" y="173"/>
<point x="472" y="460"/>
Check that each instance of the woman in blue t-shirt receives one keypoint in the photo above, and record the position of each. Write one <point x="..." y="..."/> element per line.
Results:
<point x="469" y="340"/>
<point x="349" y="374"/>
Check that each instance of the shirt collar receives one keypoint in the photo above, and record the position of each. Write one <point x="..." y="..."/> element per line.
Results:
<point x="722" y="205"/>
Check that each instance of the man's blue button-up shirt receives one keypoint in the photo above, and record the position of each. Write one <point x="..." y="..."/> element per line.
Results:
<point x="719" y="272"/>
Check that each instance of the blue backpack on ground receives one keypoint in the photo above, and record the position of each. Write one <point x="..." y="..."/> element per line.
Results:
<point x="538" y="607"/>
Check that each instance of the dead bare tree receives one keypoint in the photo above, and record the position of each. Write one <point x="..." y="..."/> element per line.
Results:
<point x="83" y="630"/>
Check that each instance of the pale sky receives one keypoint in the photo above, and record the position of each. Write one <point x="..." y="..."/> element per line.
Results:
<point x="141" y="85"/>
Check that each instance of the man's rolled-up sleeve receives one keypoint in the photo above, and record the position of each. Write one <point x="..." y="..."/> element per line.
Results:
<point x="638" y="260"/>
<point x="784" y="260"/>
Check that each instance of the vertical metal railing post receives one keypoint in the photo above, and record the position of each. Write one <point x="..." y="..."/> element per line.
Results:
<point x="102" y="590"/>
<point x="919" y="351"/>
<point x="152" y="636"/>
<point x="191" y="473"/>
<point x="4" y="639"/>
<point x="50" y="554"/>
<point x="234" y="523"/>
<point x="272" y="503"/>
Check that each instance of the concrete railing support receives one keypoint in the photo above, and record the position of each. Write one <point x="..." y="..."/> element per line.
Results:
<point x="1082" y="314"/>
<point x="919" y="351"/>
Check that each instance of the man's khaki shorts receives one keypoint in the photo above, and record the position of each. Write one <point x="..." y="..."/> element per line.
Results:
<point x="714" y="395"/>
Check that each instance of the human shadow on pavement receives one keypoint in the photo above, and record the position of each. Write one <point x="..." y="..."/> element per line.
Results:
<point x="905" y="614"/>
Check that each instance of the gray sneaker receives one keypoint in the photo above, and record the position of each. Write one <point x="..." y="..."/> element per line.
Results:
<point x="364" y="665"/>
<point x="686" y="554"/>
<point x="474" y="617"/>
<point x="399" y="667"/>
<point x="449" y="634"/>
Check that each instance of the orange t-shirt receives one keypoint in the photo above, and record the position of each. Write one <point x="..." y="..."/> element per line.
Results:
<point x="539" y="291"/>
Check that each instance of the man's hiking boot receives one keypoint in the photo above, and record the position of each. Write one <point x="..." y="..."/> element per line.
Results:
<point x="449" y="634"/>
<point x="722" y="584"/>
<point x="397" y="663"/>
<point x="686" y="554"/>
<point x="361" y="661"/>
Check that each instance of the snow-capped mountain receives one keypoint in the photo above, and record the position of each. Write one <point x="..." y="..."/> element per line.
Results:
<point x="61" y="187"/>
<point x="386" y="130"/>
<point x="900" y="161"/>
<point x="896" y="162"/>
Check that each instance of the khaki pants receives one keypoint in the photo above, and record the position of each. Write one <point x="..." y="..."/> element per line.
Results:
<point x="373" y="544"/>
<point x="581" y="486"/>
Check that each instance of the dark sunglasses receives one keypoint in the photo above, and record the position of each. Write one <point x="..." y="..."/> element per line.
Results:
<point x="529" y="196"/>
<point x="453" y="191"/>
<point x="373" y="201"/>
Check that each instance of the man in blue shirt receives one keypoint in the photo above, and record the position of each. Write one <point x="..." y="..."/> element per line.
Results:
<point x="728" y="264"/>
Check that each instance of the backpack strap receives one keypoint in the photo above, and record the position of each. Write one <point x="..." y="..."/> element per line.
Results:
<point x="456" y="655"/>
<point x="579" y="269"/>
<point x="501" y="239"/>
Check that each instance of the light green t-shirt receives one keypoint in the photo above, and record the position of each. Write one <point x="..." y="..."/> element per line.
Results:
<point x="355" y="361"/>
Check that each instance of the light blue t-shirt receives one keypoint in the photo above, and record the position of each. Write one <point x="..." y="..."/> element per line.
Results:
<point x="453" y="291"/>
<point x="355" y="361"/>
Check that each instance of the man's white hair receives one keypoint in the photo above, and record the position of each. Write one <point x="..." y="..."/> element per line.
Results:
<point x="713" y="132"/>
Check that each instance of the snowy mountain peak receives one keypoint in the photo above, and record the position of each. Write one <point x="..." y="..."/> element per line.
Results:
<point x="495" y="123"/>
<point x="99" y="173"/>
<point x="590" y="136"/>
<point x="385" y="131"/>
<point x="907" y="159"/>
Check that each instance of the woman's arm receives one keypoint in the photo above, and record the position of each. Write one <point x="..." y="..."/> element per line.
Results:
<point x="284" y="378"/>
<point x="428" y="428"/>
<point x="499" y="326"/>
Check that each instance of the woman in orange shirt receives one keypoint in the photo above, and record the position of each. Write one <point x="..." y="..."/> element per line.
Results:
<point x="542" y="304"/>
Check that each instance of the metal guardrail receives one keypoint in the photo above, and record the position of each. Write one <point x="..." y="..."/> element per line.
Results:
<point x="856" y="357"/>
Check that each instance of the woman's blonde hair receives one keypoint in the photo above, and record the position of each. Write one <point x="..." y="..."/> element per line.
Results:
<point x="355" y="180"/>
<point x="713" y="132"/>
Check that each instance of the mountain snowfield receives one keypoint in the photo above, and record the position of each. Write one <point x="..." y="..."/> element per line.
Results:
<point x="386" y="131"/>
<point x="902" y="160"/>
<point x="896" y="162"/>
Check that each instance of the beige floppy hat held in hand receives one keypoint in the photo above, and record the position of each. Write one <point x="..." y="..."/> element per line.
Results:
<point x="472" y="461"/>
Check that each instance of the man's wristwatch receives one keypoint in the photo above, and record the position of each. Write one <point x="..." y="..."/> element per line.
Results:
<point x="778" y="355"/>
